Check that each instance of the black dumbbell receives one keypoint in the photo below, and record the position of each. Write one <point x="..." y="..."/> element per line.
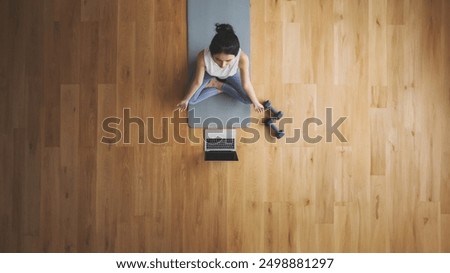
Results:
<point x="278" y="133"/>
<point x="276" y="114"/>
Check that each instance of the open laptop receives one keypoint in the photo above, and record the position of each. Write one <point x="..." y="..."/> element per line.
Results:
<point x="220" y="145"/>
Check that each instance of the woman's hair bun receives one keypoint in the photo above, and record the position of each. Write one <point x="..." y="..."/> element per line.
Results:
<point x="224" y="28"/>
<point x="225" y="40"/>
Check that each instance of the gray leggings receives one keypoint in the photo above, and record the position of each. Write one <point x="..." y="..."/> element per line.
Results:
<point x="231" y="86"/>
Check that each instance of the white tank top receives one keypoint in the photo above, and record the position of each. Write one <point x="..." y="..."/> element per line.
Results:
<point x="215" y="70"/>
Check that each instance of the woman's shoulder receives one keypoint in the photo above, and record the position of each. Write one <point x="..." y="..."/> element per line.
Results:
<point x="243" y="58"/>
<point x="201" y="53"/>
<point x="200" y="56"/>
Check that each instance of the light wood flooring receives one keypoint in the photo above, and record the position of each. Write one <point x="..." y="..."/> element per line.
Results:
<point x="66" y="65"/>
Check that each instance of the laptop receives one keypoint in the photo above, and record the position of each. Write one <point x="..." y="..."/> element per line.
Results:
<point x="220" y="145"/>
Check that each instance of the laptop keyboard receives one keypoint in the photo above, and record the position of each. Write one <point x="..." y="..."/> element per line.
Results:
<point x="220" y="143"/>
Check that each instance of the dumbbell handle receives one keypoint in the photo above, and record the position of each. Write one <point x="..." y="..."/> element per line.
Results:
<point x="274" y="111"/>
<point x="274" y="127"/>
<point x="268" y="105"/>
<point x="279" y="133"/>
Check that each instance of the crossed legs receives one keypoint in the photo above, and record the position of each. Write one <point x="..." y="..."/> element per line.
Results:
<point x="211" y="87"/>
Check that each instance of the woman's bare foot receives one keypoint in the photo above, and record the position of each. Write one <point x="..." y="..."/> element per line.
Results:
<point x="215" y="84"/>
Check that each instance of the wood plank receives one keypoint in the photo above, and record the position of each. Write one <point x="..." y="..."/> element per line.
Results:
<point x="324" y="238"/>
<point x="299" y="108"/>
<point x="253" y="238"/>
<point x="350" y="42"/>
<point x="428" y="127"/>
<point x="90" y="10"/>
<point x="165" y="12"/>
<point x="25" y="118"/>
<point x="273" y="11"/>
<point x="145" y="49"/>
<point x="396" y="65"/>
<point x="170" y="71"/>
<point x="33" y="119"/>
<point x="274" y="184"/>
<point x="19" y="208"/>
<point x="378" y="42"/>
<point x="346" y="227"/>
<point x="161" y="199"/>
<point x="106" y="210"/>
<point x="217" y="208"/>
<point x="106" y="223"/>
<point x="307" y="240"/>
<point x="292" y="10"/>
<point x="18" y="81"/>
<point x="127" y="10"/>
<point x="125" y="65"/>
<point x="291" y="213"/>
<point x="337" y="108"/>
<point x="235" y="208"/>
<point x="405" y="191"/>
<point x="257" y="42"/>
<point x="273" y="63"/>
<point x="255" y="189"/>
<point x="360" y="166"/>
<point x="378" y="142"/>
<point x="325" y="196"/>
<point x="107" y="56"/>
<point x="272" y="242"/>
<point x="293" y="181"/>
<point x="380" y="238"/>
<point x="70" y="165"/>
<point x="87" y="187"/>
<point x="52" y="95"/>
<point x="427" y="226"/>
<point x="445" y="183"/>
<point x="51" y="231"/>
<point x="322" y="41"/>
<point x="141" y="188"/>
<point x="445" y="145"/>
<point x="35" y="42"/>
<point x="68" y="41"/>
<point x="6" y="54"/>
<point x="344" y="183"/>
<point x="378" y="96"/>
<point x="88" y="87"/>
<point x="179" y="185"/>
<point x="122" y="196"/>
<point x="445" y="233"/>
<point x="192" y="210"/>
<point x="6" y="190"/>
<point x="395" y="12"/>
<point x="296" y="41"/>
<point x="32" y="158"/>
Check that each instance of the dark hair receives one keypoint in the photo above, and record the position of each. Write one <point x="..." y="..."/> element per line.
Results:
<point x="225" y="41"/>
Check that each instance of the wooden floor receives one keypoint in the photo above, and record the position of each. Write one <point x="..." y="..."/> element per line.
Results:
<point x="66" y="65"/>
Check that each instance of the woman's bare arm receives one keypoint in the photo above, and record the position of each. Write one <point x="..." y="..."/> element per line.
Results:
<point x="246" y="83"/>
<point x="196" y="82"/>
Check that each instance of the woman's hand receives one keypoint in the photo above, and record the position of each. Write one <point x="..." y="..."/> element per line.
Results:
<point x="258" y="107"/>
<point x="183" y="105"/>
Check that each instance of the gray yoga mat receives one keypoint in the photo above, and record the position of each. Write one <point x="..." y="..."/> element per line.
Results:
<point x="220" y="110"/>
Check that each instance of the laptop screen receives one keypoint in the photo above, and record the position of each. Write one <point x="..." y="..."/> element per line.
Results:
<point x="220" y="145"/>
